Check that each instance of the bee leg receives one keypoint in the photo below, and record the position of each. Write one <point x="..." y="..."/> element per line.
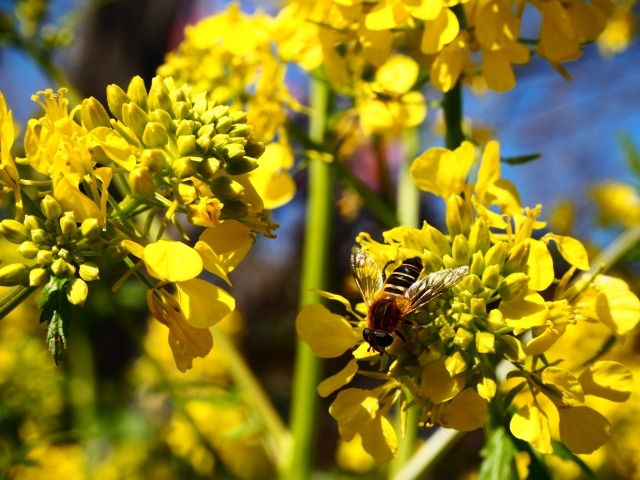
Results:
<point x="384" y="269"/>
<point x="401" y="336"/>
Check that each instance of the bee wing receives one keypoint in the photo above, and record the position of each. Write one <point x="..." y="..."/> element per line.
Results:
<point x="434" y="285"/>
<point x="366" y="273"/>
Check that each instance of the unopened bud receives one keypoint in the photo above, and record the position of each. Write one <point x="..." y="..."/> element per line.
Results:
<point x="185" y="127"/>
<point x="496" y="255"/>
<point x="159" y="98"/>
<point x="254" y="149"/>
<point x="227" y="189"/>
<point x="232" y="151"/>
<point x="220" y="140"/>
<point x="220" y="111"/>
<point x="495" y="320"/>
<point x="478" y="307"/>
<point x="137" y="92"/>
<point x="68" y="224"/>
<point x="491" y="277"/>
<point x="93" y="114"/>
<point x="51" y="208"/>
<point x="162" y="117"/>
<point x="135" y="118"/>
<point x="224" y="124"/>
<point x="514" y="286"/>
<point x="14" y="231"/>
<point x="479" y="240"/>
<point x="155" y="135"/>
<point x="458" y="217"/>
<point x="154" y="159"/>
<point x="116" y="98"/>
<point x="183" y="167"/>
<point x="44" y="257"/>
<point x="463" y="338"/>
<point x="456" y="363"/>
<point x="204" y="145"/>
<point x="186" y="144"/>
<point x="39" y="236"/>
<point x="238" y="116"/>
<point x="485" y="342"/>
<point x="14" y="274"/>
<point x="90" y="228"/>
<point x="234" y="209"/>
<point x="32" y="222"/>
<point x="460" y="250"/>
<point x="209" y="167"/>
<point x="89" y="272"/>
<point x="77" y="291"/>
<point x="38" y="276"/>
<point x="240" y="130"/>
<point x="60" y="268"/>
<point x="435" y="241"/>
<point x="517" y="258"/>
<point x="141" y="181"/>
<point x="28" y="250"/>
<point x="180" y="110"/>
<point x="238" y="167"/>
<point x="477" y="264"/>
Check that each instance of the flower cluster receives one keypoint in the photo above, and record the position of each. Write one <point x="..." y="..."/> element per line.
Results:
<point x="167" y="152"/>
<point x="448" y="362"/>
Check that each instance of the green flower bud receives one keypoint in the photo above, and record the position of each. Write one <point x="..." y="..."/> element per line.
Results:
<point x="28" y="250"/>
<point x="135" y="118"/>
<point x="39" y="236"/>
<point x="209" y="167"/>
<point x="456" y="363"/>
<point x="479" y="240"/>
<point x="238" y="116"/>
<point x="185" y="127"/>
<point x="234" y="209"/>
<point x="14" y="231"/>
<point x="463" y="338"/>
<point x="206" y="131"/>
<point x="238" y="140"/>
<point x="204" y="145"/>
<point x="232" y="151"/>
<point x="180" y="110"/>
<point x="90" y="228"/>
<point x="115" y="251"/>
<point x="44" y="257"/>
<point x="491" y="277"/>
<point x="163" y="118"/>
<point x="68" y="224"/>
<point x="60" y="268"/>
<point x="155" y="135"/>
<point x="458" y="217"/>
<point x="509" y="348"/>
<point x="183" y="167"/>
<point x="226" y="189"/>
<point x="154" y="159"/>
<point x="254" y="149"/>
<point x="93" y="114"/>
<point x="77" y="291"/>
<point x="431" y="261"/>
<point x="89" y="272"/>
<point x="116" y="98"/>
<point x="517" y="258"/>
<point x="200" y="106"/>
<point x="495" y="320"/>
<point x="207" y="117"/>
<point x="478" y="307"/>
<point x="64" y="254"/>
<point x="477" y="264"/>
<point x="496" y="255"/>
<point x="224" y="124"/>
<point x="137" y="92"/>
<point x="141" y="181"/>
<point x="159" y="98"/>
<point x="460" y="250"/>
<point x="220" y="111"/>
<point x="220" y="140"/>
<point x="51" y="208"/>
<point x="514" y="286"/>
<point x="14" y="274"/>
<point x="238" y="167"/>
<point x="32" y="222"/>
<point x="240" y="130"/>
<point x="435" y="240"/>
<point x="38" y="276"/>
<point x="186" y="144"/>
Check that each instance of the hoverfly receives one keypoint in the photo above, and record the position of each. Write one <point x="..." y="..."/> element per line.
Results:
<point x="390" y="299"/>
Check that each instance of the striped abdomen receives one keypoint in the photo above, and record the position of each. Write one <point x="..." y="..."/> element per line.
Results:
<point x="403" y="277"/>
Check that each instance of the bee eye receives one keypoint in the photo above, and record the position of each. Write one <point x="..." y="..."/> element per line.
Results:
<point x="383" y="339"/>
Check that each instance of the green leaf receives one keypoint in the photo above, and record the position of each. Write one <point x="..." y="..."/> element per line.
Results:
<point x="57" y="312"/>
<point x="521" y="159"/>
<point x="499" y="456"/>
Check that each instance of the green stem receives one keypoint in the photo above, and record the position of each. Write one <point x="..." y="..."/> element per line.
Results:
<point x="315" y="262"/>
<point x="616" y="250"/>
<point x="14" y="297"/>
<point x="452" y="108"/>
<point x="278" y="440"/>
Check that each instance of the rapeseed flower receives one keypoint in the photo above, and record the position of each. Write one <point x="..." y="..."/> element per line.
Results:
<point x="445" y="363"/>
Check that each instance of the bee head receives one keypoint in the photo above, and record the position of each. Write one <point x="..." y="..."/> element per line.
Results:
<point x="379" y="340"/>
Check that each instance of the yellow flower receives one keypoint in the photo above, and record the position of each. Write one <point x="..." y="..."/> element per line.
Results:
<point x="8" y="173"/>
<point x="205" y="213"/>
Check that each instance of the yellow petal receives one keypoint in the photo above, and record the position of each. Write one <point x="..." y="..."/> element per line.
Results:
<point x="203" y="304"/>
<point x="210" y="261"/>
<point x="540" y="265"/>
<point x="397" y="75"/>
<point x="328" y="335"/>
<point x="571" y="250"/>
<point x="616" y="306"/>
<point x="441" y="171"/>
<point x="437" y="385"/>
<point x="466" y="412"/>
<point x="497" y="71"/>
<point x="582" y="429"/>
<point x="386" y="15"/>
<point x="379" y="439"/>
<point x="439" y="32"/>
<point x="339" y="380"/>
<point x="354" y="408"/>
<point x="532" y="425"/>
<point x="489" y="171"/>
<point x="564" y="381"/>
<point x="526" y="312"/>
<point x="133" y="248"/>
<point x="606" y="379"/>
<point x="230" y="240"/>
<point x="67" y="193"/>
<point x="172" y="261"/>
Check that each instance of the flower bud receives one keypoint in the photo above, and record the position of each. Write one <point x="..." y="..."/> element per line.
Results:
<point x="254" y="149"/>
<point x="187" y="193"/>
<point x="60" y="268"/>
<point x="496" y="255"/>
<point x="478" y="307"/>
<point x="51" y="208"/>
<point x="220" y="111"/>
<point x="14" y="274"/>
<point x="32" y="222"/>
<point x="14" y="231"/>
<point x="431" y="261"/>
<point x="204" y="145"/>
<point x="224" y="124"/>
<point x="435" y="240"/>
<point x="185" y="127"/>
<point x="200" y="105"/>
<point x="154" y="159"/>
<point x="234" y="209"/>
<point x="457" y="218"/>
<point x="68" y="224"/>
<point x="141" y="181"/>
<point x="159" y="98"/>
<point x="485" y="342"/>
<point x="38" y="276"/>
<point x="238" y="167"/>
<point x="186" y="144"/>
<point x="495" y="320"/>
<point x="180" y="110"/>
<point x="227" y="189"/>
<point x="155" y="135"/>
<point x="206" y="131"/>
<point x="477" y="264"/>
<point x="238" y="116"/>
<point x="44" y="257"/>
<point x="479" y="240"/>
<point x="183" y="167"/>
<point x="463" y="338"/>
<point x="137" y="92"/>
<point x="77" y="291"/>
<point x="460" y="250"/>
<point x="232" y="151"/>
<point x="491" y="277"/>
<point x="240" y="130"/>
<point x="163" y="118"/>
<point x="456" y="363"/>
<point x="39" y="236"/>
<point x="207" y="117"/>
<point x="514" y="286"/>
<point x="517" y="258"/>
<point x="28" y="250"/>
<point x="115" y="251"/>
<point x="93" y="114"/>
<point x="135" y="118"/>
<point x="116" y="98"/>
<point x="220" y="140"/>
<point x="89" y="272"/>
<point x="90" y="228"/>
<point x="209" y="167"/>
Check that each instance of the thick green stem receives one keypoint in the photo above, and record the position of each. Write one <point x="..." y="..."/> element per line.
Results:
<point x="315" y="263"/>
<point x="452" y="108"/>
<point x="14" y="297"/>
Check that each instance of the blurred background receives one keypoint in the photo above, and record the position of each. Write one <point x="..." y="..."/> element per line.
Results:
<point x="107" y="411"/>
